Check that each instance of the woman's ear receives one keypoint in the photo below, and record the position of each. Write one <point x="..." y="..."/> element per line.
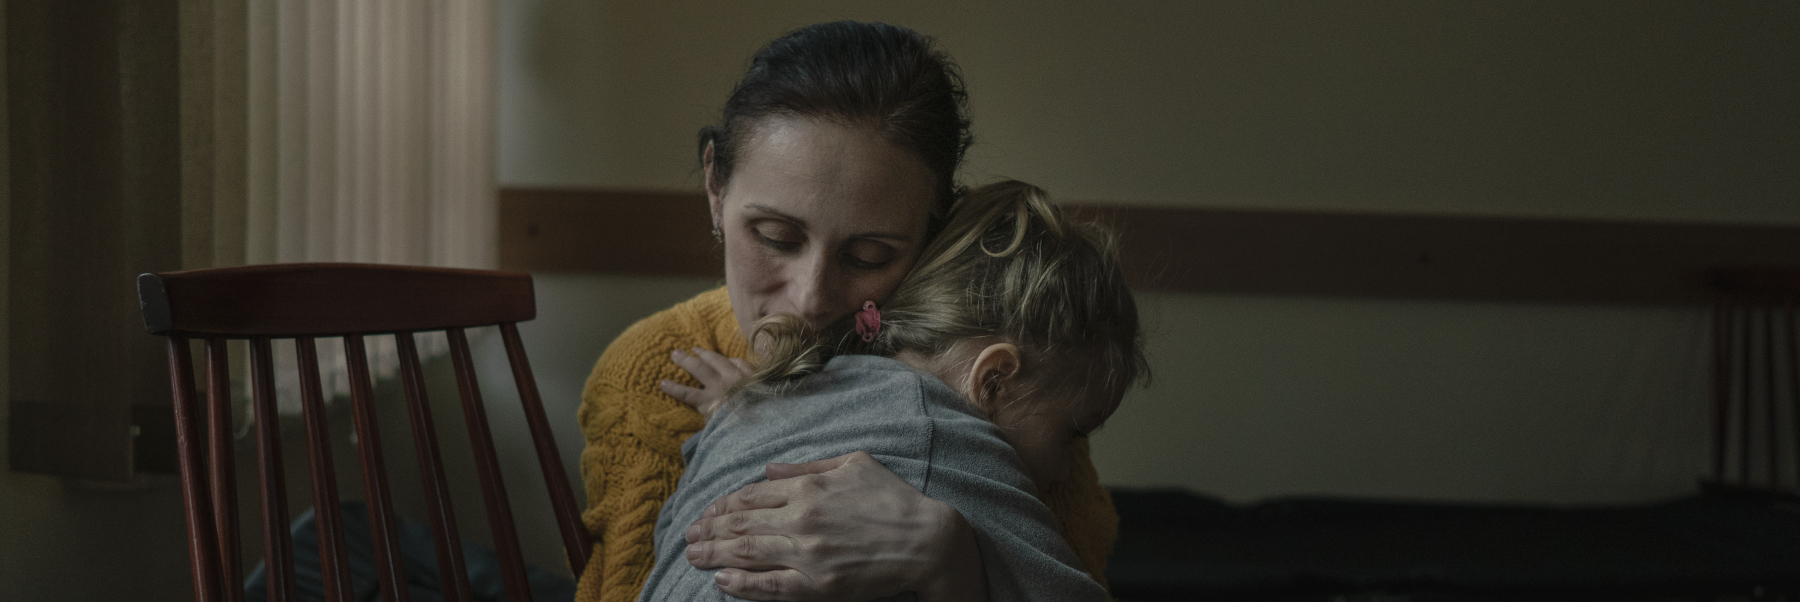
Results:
<point x="990" y="375"/>
<point x="713" y="193"/>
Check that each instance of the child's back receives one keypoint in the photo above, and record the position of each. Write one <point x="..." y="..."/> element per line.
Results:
<point x="918" y="428"/>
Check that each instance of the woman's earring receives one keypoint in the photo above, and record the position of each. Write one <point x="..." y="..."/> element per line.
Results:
<point x="717" y="235"/>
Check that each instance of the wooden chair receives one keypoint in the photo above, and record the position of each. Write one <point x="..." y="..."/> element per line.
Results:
<point x="304" y="302"/>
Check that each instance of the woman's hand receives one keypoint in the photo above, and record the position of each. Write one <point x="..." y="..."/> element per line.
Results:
<point x="716" y="374"/>
<point x="839" y="528"/>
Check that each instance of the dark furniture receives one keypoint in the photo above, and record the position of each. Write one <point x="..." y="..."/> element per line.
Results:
<point x="1738" y="538"/>
<point x="1176" y="545"/>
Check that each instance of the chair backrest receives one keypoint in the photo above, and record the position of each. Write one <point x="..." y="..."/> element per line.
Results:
<point x="1756" y="355"/>
<point x="304" y="302"/>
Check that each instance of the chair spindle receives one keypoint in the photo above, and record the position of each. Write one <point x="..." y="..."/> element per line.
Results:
<point x="278" y="559"/>
<point x="224" y="468"/>
<point x="1774" y="436"/>
<point x="1721" y="355"/>
<point x="334" y="552"/>
<point x="1793" y="349"/>
<point x="389" y="568"/>
<point x="575" y="538"/>
<point x="431" y="471"/>
<point x="1743" y="390"/>
<point x="203" y="549"/>
<point x="487" y="468"/>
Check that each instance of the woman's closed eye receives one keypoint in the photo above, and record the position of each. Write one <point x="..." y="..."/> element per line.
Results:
<point x="778" y="236"/>
<point x="869" y="255"/>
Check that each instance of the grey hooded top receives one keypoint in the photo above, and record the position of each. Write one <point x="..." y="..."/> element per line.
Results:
<point x="918" y="428"/>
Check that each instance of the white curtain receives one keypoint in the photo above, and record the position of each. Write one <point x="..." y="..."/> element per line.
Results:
<point x="371" y="140"/>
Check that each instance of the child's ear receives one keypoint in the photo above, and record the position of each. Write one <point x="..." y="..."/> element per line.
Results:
<point x="991" y="374"/>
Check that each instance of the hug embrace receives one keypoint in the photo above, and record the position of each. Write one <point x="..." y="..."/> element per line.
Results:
<point x="892" y="392"/>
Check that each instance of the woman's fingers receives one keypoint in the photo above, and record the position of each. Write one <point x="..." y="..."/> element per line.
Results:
<point x="755" y="496"/>
<point x="784" y="584"/>
<point x="754" y="552"/>
<point x="771" y="521"/>
<point x="777" y="471"/>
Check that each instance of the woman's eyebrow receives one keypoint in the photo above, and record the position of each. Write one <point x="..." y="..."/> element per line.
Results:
<point x="777" y="213"/>
<point x="773" y="212"/>
<point x="899" y="238"/>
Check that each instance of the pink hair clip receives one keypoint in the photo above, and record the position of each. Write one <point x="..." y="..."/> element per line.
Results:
<point x="868" y="321"/>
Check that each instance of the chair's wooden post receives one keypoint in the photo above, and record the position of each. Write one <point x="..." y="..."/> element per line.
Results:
<point x="224" y="468"/>
<point x="487" y="468"/>
<point x="334" y="553"/>
<point x="568" y="517"/>
<point x="1773" y="433"/>
<point x="1793" y="349"/>
<point x="431" y="470"/>
<point x="1721" y="384"/>
<point x="203" y="549"/>
<point x="1744" y="391"/>
<point x="278" y="559"/>
<point x="389" y="568"/>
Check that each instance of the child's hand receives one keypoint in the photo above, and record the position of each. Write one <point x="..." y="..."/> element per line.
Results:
<point x="716" y="374"/>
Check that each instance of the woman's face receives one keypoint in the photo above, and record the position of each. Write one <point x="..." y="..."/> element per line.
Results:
<point x="818" y="218"/>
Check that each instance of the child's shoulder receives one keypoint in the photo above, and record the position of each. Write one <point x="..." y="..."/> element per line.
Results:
<point x="886" y="380"/>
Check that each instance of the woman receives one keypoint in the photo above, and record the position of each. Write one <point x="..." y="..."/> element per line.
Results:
<point x="834" y="164"/>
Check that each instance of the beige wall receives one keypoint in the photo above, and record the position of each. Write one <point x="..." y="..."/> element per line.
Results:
<point x="1614" y="109"/>
<point x="1619" y="108"/>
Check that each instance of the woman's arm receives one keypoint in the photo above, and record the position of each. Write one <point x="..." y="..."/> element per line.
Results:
<point x="842" y="527"/>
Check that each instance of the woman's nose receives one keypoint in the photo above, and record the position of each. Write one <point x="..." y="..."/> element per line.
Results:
<point x="814" y="293"/>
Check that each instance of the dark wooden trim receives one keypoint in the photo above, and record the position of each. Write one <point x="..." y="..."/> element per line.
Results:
<point x="1757" y="281"/>
<point x="1230" y="250"/>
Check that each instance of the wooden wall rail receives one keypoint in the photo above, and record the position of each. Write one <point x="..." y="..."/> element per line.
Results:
<point x="1229" y="250"/>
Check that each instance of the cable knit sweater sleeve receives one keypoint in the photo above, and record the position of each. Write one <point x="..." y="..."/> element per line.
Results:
<point x="634" y="434"/>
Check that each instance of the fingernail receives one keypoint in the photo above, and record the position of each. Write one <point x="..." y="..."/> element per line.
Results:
<point x="722" y="578"/>
<point x="693" y="552"/>
<point x="693" y="532"/>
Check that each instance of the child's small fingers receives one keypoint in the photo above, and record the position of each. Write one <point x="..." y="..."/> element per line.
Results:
<point x="683" y="393"/>
<point x="694" y="366"/>
<point x="714" y="359"/>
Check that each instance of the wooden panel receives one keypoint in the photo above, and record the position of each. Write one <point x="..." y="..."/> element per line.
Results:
<point x="1230" y="250"/>
<point x="620" y="232"/>
<point x="329" y="299"/>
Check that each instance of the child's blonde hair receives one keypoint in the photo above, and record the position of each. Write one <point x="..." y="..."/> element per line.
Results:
<point x="1006" y="265"/>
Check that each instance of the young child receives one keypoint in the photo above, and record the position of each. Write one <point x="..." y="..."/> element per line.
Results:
<point x="1013" y="337"/>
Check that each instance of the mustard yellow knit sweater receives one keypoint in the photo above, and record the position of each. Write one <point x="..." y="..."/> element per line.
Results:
<point x="633" y="456"/>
